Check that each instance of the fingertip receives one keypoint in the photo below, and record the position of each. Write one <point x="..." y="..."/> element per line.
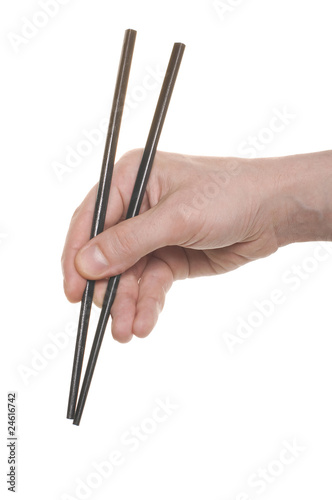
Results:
<point x="142" y="327"/>
<point x="91" y="263"/>
<point x="74" y="288"/>
<point x="123" y="340"/>
<point x="121" y="333"/>
<point x="79" y="265"/>
<point x="121" y="325"/>
<point x="71" y="294"/>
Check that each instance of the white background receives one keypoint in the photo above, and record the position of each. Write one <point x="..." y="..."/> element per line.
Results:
<point x="234" y="410"/>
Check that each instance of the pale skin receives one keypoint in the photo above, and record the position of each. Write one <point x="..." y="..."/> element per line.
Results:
<point x="200" y="216"/>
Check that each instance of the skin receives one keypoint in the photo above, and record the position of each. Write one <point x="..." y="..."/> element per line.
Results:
<point x="200" y="216"/>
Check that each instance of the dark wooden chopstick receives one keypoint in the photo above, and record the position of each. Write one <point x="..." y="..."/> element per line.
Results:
<point x="133" y="210"/>
<point x="101" y="207"/>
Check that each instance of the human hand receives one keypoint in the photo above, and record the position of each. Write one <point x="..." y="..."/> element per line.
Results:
<point x="200" y="216"/>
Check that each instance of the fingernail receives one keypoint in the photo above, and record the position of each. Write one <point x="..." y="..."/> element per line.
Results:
<point x="92" y="260"/>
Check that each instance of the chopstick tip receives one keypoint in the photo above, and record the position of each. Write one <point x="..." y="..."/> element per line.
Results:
<point x="131" y="31"/>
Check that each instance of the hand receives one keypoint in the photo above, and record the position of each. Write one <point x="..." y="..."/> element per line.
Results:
<point x="200" y="216"/>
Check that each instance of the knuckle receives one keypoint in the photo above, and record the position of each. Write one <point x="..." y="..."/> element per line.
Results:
<point x="126" y="168"/>
<point x="131" y="156"/>
<point x="121" y="242"/>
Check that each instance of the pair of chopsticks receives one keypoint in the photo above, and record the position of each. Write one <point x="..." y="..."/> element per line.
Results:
<point x="74" y="411"/>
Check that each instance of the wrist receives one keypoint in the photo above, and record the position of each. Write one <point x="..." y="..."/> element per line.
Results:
<point x="299" y="197"/>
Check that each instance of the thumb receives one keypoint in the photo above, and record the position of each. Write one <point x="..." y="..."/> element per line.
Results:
<point x="121" y="246"/>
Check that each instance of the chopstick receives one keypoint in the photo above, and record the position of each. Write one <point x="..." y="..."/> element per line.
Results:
<point x="133" y="210"/>
<point x="101" y="207"/>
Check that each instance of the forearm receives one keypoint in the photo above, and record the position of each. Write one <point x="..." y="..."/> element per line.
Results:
<point x="299" y="197"/>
